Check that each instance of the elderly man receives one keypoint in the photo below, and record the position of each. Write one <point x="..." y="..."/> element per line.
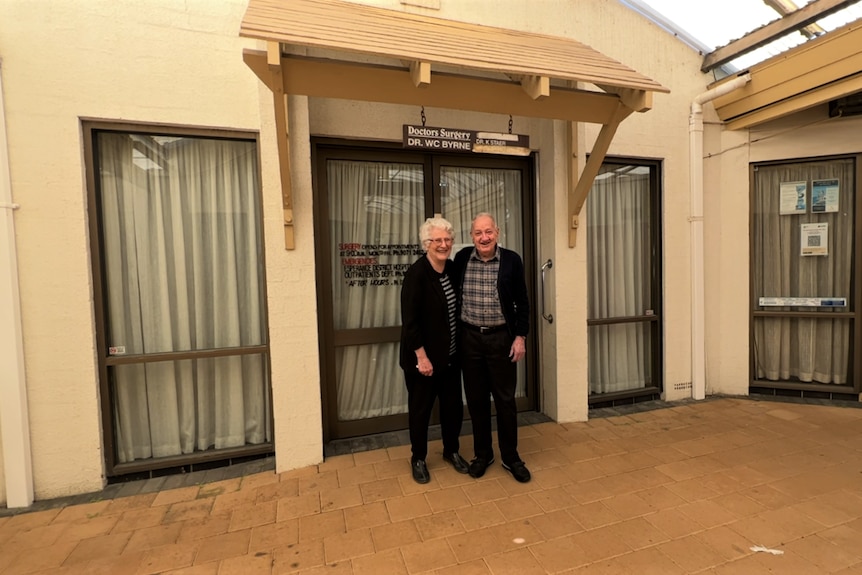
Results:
<point x="495" y="321"/>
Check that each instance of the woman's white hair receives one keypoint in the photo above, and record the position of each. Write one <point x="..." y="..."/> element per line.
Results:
<point x="438" y="223"/>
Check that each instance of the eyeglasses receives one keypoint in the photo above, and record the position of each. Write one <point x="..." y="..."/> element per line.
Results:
<point x="440" y="241"/>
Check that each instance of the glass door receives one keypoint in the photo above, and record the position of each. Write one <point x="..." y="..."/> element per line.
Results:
<point x="624" y="292"/>
<point x="369" y="209"/>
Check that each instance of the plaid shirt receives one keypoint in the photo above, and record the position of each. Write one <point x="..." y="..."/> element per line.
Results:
<point x="480" y="302"/>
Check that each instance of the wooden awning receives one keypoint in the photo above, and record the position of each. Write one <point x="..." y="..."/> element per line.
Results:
<point x="487" y="69"/>
<point x="811" y="74"/>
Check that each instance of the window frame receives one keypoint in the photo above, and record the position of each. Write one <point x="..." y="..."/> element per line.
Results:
<point x="90" y="129"/>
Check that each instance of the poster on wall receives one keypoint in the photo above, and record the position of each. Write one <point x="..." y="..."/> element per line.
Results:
<point x="824" y="196"/>
<point x="814" y="239"/>
<point x="794" y="198"/>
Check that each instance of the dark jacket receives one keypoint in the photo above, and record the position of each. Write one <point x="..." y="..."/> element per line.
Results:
<point x="511" y="287"/>
<point x="424" y="314"/>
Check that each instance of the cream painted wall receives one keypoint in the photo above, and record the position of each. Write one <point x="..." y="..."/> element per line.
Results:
<point x="165" y="62"/>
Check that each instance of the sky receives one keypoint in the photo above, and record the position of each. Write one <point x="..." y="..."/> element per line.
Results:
<point x="716" y="22"/>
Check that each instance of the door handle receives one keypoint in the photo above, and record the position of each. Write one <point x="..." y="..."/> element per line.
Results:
<point x="545" y="266"/>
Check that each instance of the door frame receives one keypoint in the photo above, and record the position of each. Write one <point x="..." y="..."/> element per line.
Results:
<point x="322" y="149"/>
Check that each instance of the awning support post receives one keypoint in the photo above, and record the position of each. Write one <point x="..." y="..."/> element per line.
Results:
<point x="279" y="98"/>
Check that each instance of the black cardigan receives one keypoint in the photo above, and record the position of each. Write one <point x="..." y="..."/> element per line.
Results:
<point x="511" y="287"/>
<point x="424" y="314"/>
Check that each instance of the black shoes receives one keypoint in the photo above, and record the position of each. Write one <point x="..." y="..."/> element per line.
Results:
<point x="478" y="466"/>
<point x="457" y="462"/>
<point x="518" y="470"/>
<point x="420" y="472"/>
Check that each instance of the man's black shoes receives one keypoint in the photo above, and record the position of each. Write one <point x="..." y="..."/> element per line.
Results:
<point x="420" y="472"/>
<point x="457" y="462"/>
<point x="478" y="466"/>
<point x="518" y="470"/>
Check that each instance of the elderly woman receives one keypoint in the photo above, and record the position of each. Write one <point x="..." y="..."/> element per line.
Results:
<point x="428" y="348"/>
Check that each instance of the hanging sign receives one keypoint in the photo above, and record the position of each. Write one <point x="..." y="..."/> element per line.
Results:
<point x="458" y="140"/>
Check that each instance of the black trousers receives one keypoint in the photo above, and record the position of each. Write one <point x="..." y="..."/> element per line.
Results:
<point x="489" y="371"/>
<point x="422" y="391"/>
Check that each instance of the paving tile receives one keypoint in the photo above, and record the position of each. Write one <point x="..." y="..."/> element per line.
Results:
<point x="299" y="506"/>
<point x="439" y="525"/>
<point x="428" y="555"/>
<point x="368" y="515"/>
<point x="274" y="535"/>
<point x="256" y="564"/>
<point x="356" y="475"/>
<point x="520" y="506"/>
<point x="380" y="489"/>
<point x="167" y="557"/>
<point x="249" y="516"/>
<point x="186" y="510"/>
<point x="473" y="544"/>
<point x="447" y="498"/>
<point x="202" y="527"/>
<point x="517" y="562"/>
<point x="691" y="553"/>
<point x="600" y="543"/>
<point x="98" y="547"/>
<point x="395" y="535"/>
<point x="593" y="515"/>
<point x="560" y="554"/>
<point x="346" y="546"/>
<point x="302" y="555"/>
<point x="321" y="525"/>
<point x="648" y="562"/>
<point x="147" y="538"/>
<point x="480" y="516"/>
<point x="389" y="562"/>
<point x="222" y="546"/>
<point x="824" y="555"/>
<point x="49" y="558"/>
<point x="556" y="524"/>
<point x="273" y="491"/>
<point x="318" y="482"/>
<point x="176" y="496"/>
<point x="409" y="507"/>
<point x="140" y="518"/>
<point x="477" y="567"/>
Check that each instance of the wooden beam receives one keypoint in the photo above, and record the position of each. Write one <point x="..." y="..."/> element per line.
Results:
<point x="637" y="100"/>
<point x="536" y="86"/>
<point x="392" y="85"/>
<point x="420" y="73"/>
<point x="279" y="100"/>
<point x="809" y="99"/>
<point x="578" y="191"/>
<point x="765" y="34"/>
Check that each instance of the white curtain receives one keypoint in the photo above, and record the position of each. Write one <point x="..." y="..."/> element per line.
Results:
<point x="374" y="206"/>
<point x="376" y="209"/>
<point x="183" y="261"/>
<point x="800" y="348"/>
<point x="618" y="268"/>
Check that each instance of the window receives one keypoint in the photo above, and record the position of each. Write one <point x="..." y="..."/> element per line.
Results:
<point x="804" y="276"/>
<point x="181" y="315"/>
<point x="624" y="319"/>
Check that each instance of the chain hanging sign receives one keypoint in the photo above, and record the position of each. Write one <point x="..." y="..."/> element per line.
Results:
<point x="458" y="140"/>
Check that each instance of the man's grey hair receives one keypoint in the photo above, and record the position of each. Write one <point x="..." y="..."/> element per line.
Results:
<point x="483" y="215"/>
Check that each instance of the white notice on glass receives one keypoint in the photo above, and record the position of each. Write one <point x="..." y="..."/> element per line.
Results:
<point x="814" y="239"/>
<point x="794" y="197"/>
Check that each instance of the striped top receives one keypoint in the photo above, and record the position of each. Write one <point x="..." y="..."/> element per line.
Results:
<point x="449" y="293"/>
